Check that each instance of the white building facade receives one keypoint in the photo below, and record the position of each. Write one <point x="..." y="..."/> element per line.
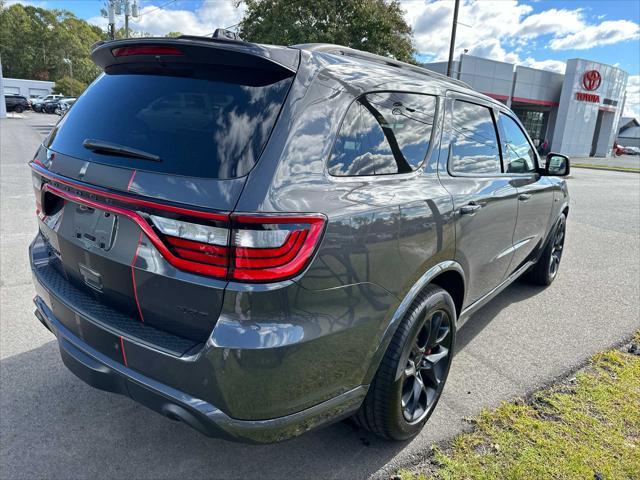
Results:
<point x="576" y="113"/>
<point x="27" y="88"/>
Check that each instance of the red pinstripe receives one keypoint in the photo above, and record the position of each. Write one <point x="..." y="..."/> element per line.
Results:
<point x="133" y="175"/>
<point x="133" y="278"/>
<point x="124" y="355"/>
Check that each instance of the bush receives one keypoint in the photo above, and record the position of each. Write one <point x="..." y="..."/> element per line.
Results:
<point x="69" y="86"/>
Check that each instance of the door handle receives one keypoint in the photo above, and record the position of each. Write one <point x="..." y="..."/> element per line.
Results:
<point x="523" y="197"/>
<point x="470" y="209"/>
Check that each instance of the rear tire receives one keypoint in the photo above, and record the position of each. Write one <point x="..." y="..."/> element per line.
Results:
<point x="414" y="369"/>
<point x="19" y="109"/>
<point x="546" y="268"/>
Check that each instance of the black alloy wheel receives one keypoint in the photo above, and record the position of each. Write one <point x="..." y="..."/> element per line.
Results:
<point x="411" y="377"/>
<point x="556" y="248"/>
<point x="546" y="268"/>
<point x="426" y="366"/>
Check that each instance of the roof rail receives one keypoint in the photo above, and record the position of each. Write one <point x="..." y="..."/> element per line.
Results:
<point x="352" y="52"/>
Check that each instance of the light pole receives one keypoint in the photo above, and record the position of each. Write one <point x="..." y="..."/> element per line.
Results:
<point x="70" y="63"/>
<point x="3" y="106"/>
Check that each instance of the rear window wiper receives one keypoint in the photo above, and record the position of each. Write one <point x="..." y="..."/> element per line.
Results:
<point x="100" y="146"/>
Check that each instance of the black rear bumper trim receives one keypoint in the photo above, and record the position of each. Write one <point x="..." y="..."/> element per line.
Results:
<point x="102" y="372"/>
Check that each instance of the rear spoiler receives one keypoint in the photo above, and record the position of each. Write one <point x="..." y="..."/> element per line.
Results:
<point x="202" y="50"/>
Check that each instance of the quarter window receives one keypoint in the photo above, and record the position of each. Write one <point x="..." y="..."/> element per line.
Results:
<point x="474" y="144"/>
<point x="384" y="133"/>
<point x="517" y="151"/>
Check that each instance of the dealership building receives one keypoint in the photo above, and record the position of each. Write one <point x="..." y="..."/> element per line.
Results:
<point x="578" y="113"/>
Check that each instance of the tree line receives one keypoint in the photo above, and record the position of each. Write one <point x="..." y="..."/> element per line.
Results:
<point x="50" y="44"/>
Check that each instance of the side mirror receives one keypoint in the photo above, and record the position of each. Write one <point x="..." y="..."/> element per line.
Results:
<point x="557" y="165"/>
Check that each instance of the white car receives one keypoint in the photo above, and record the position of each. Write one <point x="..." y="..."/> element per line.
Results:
<point x="631" y="150"/>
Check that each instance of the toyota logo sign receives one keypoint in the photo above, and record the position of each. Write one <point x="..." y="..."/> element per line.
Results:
<point x="591" y="80"/>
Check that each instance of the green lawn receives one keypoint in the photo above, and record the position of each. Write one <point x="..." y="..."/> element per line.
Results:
<point x="585" y="428"/>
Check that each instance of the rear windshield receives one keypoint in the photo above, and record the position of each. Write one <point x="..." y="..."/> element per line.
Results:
<point x="211" y="123"/>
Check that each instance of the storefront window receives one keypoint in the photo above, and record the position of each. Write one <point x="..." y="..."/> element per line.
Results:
<point x="533" y="122"/>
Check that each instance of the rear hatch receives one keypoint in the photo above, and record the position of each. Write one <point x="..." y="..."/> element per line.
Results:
<point x="135" y="184"/>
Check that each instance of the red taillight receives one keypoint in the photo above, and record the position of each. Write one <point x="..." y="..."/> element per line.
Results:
<point x="257" y="248"/>
<point x="145" y="50"/>
<point x="238" y="247"/>
<point x="199" y="252"/>
<point x="270" y="248"/>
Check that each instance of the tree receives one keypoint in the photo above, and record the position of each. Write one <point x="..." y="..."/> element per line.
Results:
<point x="35" y="41"/>
<point x="69" y="86"/>
<point x="376" y="26"/>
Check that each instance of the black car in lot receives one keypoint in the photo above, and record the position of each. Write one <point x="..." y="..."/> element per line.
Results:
<point x="16" y="103"/>
<point x="56" y="105"/>
<point x="259" y="240"/>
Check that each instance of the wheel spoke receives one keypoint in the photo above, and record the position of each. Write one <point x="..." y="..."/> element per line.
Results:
<point x="430" y="376"/>
<point x="436" y="322"/>
<point x="418" y="386"/>
<point x="437" y="356"/>
<point x="410" y="369"/>
<point x="406" y="397"/>
<point x="431" y="395"/>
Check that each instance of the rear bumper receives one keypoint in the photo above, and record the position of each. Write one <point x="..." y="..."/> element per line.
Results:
<point x="104" y="373"/>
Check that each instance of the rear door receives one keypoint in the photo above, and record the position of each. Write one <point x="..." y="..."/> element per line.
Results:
<point x="135" y="183"/>
<point x="535" y="192"/>
<point x="484" y="197"/>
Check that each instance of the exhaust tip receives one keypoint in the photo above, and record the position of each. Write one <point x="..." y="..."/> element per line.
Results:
<point x="40" y="317"/>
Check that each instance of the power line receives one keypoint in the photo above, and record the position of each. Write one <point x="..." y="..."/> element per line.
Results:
<point x="157" y="8"/>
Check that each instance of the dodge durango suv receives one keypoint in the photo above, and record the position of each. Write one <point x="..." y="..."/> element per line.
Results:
<point x="258" y="240"/>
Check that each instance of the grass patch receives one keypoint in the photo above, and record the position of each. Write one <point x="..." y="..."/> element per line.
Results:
<point x="584" y="428"/>
<point x="606" y="167"/>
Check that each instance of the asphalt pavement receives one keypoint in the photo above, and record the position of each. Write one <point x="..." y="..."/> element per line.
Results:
<point x="52" y="425"/>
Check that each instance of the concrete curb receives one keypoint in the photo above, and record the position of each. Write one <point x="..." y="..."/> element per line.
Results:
<point x="604" y="167"/>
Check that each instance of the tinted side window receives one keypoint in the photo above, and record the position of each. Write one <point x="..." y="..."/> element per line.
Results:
<point x="474" y="145"/>
<point x="383" y="133"/>
<point x="517" y="151"/>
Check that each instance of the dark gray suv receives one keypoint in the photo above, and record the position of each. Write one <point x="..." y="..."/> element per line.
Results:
<point x="258" y="240"/>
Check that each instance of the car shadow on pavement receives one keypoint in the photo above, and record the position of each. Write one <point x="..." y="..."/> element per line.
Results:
<point x="55" y="426"/>
<point x="514" y="293"/>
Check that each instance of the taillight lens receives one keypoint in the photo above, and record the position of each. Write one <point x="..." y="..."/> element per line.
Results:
<point x="253" y="248"/>
<point x="269" y="248"/>
<point x="145" y="50"/>
<point x="192" y="231"/>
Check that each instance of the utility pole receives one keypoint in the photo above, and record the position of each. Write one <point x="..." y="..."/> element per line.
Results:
<point x="452" y="45"/>
<point x="127" y="13"/>
<point x="114" y="9"/>
<point x="111" y="15"/>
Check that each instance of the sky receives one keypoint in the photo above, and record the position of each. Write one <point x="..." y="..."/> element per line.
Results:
<point x="537" y="33"/>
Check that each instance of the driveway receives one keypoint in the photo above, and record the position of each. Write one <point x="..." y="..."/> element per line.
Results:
<point x="54" y="426"/>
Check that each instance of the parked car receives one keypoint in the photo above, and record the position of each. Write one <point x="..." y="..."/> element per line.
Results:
<point x="39" y="102"/>
<point x="16" y="103"/>
<point x="50" y="106"/>
<point x="284" y="237"/>
<point x="631" y="150"/>
<point x="64" y="105"/>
